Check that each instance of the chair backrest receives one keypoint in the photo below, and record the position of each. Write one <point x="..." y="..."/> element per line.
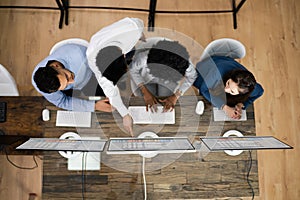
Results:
<point x="69" y="41"/>
<point x="224" y="47"/>
<point x="8" y="86"/>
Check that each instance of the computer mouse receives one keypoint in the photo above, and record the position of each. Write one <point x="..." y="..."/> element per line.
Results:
<point x="46" y="115"/>
<point x="199" y="108"/>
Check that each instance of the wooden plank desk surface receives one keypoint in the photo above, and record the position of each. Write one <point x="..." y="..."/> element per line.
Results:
<point x="192" y="175"/>
<point x="23" y="116"/>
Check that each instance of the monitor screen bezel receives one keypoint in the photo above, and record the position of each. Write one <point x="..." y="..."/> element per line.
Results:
<point x="287" y="146"/>
<point x="140" y="151"/>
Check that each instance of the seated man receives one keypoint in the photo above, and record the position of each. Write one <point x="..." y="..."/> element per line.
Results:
<point x="227" y="84"/>
<point x="64" y="71"/>
<point x="161" y="72"/>
<point x="107" y="59"/>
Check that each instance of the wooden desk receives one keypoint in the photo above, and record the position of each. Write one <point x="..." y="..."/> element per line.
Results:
<point x="23" y="116"/>
<point x="192" y="175"/>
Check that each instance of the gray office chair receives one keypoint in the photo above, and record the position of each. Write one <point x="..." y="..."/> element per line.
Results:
<point x="224" y="47"/>
<point x="69" y="41"/>
<point x="8" y="86"/>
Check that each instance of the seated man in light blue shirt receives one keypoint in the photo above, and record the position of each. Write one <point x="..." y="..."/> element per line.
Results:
<point x="66" y="70"/>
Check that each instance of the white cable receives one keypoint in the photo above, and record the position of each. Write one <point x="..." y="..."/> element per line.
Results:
<point x="144" y="177"/>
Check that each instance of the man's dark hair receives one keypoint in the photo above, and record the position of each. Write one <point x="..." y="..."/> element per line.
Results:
<point x="245" y="81"/>
<point x="46" y="79"/>
<point x="111" y="63"/>
<point x="168" y="60"/>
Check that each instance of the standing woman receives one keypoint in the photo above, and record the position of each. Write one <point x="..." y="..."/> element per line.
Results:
<point x="227" y="84"/>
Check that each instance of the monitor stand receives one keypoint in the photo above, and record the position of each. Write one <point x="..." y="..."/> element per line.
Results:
<point x="75" y="158"/>
<point x="149" y="135"/>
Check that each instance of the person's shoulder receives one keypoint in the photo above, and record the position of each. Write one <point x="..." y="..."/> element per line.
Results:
<point x="73" y="46"/>
<point x="70" y="49"/>
<point x="223" y="58"/>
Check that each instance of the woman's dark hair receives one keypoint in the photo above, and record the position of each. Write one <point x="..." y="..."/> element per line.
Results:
<point x="245" y="81"/>
<point x="111" y="63"/>
<point x="168" y="60"/>
<point x="46" y="79"/>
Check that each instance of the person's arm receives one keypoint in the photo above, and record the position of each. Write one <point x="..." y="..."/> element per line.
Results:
<point x="139" y="67"/>
<point x="189" y="78"/>
<point x="112" y="92"/>
<point x="104" y="105"/>
<point x="231" y="112"/>
<point x="217" y="100"/>
<point x="139" y="75"/>
<point x="209" y="79"/>
<point x="63" y="101"/>
<point x="150" y="100"/>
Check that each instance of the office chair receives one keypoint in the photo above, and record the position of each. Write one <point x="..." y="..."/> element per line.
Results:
<point x="69" y="41"/>
<point x="8" y="86"/>
<point x="224" y="47"/>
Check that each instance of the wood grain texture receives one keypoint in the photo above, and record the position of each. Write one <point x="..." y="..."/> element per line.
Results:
<point x="269" y="29"/>
<point x="168" y="175"/>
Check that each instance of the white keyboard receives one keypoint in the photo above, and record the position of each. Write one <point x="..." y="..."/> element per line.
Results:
<point x="141" y="116"/>
<point x="73" y="118"/>
<point x="220" y="115"/>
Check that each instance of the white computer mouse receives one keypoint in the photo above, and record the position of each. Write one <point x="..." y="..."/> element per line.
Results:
<point x="46" y="115"/>
<point x="199" y="108"/>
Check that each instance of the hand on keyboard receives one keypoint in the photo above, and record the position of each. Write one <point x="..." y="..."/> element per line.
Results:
<point x="231" y="112"/>
<point x="150" y="100"/>
<point x="169" y="103"/>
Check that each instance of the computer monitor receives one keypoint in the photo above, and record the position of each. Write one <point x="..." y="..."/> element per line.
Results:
<point x="244" y="143"/>
<point x="55" y="144"/>
<point x="149" y="145"/>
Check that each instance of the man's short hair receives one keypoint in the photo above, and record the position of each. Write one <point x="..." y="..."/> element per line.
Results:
<point x="168" y="60"/>
<point x="111" y="63"/>
<point x="46" y="79"/>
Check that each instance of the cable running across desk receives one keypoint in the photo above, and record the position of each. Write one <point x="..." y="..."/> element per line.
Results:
<point x="83" y="164"/>
<point x="19" y="167"/>
<point x="248" y="173"/>
<point x="144" y="178"/>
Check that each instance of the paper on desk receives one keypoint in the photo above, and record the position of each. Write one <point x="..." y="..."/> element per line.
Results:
<point x="141" y="116"/>
<point x="220" y="115"/>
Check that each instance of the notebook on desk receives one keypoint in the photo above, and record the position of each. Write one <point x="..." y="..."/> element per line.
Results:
<point x="73" y="118"/>
<point x="220" y="115"/>
<point x="141" y="116"/>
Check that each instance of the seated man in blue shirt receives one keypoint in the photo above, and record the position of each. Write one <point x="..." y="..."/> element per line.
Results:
<point x="66" y="70"/>
<point x="227" y="84"/>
